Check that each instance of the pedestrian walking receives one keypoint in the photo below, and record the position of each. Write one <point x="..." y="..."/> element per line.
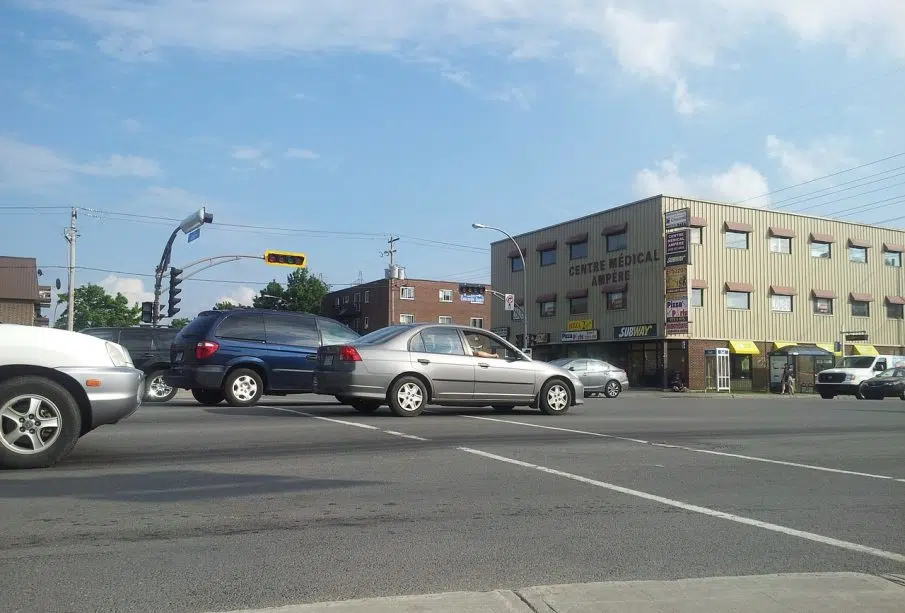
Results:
<point x="788" y="380"/>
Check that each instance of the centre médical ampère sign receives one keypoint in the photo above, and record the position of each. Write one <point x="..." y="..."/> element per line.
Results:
<point x="615" y="269"/>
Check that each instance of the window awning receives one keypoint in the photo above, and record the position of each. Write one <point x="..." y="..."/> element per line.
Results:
<point x="781" y="344"/>
<point x="831" y="347"/>
<point x="744" y="348"/>
<point x="865" y="350"/>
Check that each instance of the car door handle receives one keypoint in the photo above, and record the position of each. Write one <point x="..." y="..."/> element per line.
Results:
<point x="483" y="364"/>
<point x="423" y="361"/>
<point x="311" y="356"/>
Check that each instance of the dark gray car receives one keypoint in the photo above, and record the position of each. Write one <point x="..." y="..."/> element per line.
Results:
<point x="413" y="365"/>
<point x="598" y="377"/>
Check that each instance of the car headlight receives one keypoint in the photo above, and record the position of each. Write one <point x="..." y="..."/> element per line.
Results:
<point x="118" y="355"/>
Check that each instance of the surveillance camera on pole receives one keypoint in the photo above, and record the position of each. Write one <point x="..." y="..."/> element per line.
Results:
<point x="196" y="220"/>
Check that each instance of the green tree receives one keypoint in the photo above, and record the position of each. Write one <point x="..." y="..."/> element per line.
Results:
<point x="180" y="322"/>
<point x="224" y="305"/>
<point x="94" y="307"/>
<point x="303" y="292"/>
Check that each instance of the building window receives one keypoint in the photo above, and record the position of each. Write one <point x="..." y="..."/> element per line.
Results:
<point x="823" y="306"/>
<point x="446" y="295"/>
<point x="895" y="311"/>
<point x="780" y="244"/>
<point x="407" y="292"/>
<point x="336" y="301"/>
<point x="738" y="300"/>
<point x="577" y="306"/>
<point x="367" y="298"/>
<point x="548" y="257"/>
<point x="617" y="242"/>
<point x="477" y="322"/>
<point x="821" y="250"/>
<point x="406" y="318"/>
<point x="857" y="255"/>
<point x="893" y="258"/>
<point x="548" y="308"/>
<point x="357" y="296"/>
<point x="780" y="303"/>
<point x="616" y="301"/>
<point x="578" y="251"/>
<point x="740" y="366"/>
<point x="445" y="319"/>
<point x="697" y="297"/>
<point x="346" y="299"/>
<point x="366" y="322"/>
<point x="736" y="240"/>
<point x="515" y="264"/>
<point x="696" y="236"/>
<point x="860" y="308"/>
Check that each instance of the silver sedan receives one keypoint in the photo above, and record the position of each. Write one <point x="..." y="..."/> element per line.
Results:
<point x="412" y="365"/>
<point x="598" y="377"/>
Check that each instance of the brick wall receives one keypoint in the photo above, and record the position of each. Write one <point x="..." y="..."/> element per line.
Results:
<point x="17" y="312"/>
<point x="696" y="361"/>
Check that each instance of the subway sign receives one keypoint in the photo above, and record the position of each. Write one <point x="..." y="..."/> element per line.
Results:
<point x="639" y="331"/>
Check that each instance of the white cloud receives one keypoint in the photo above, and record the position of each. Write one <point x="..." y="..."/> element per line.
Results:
<point x="252" y="155"/>
<point x="131" y="288"/>
<point x="740" y="183"/>
<point x="684" y="102"/>
<point x="800" y="164"/>
<point x="33" y="166"/>
<point x="301" y="154"/>
<point x="684" y="37"/>
<point x="241" y="296"/>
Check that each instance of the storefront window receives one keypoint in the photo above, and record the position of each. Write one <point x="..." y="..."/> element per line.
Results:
<point x="740" y="367"/>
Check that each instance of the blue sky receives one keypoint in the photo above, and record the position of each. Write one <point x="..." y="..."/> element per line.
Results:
<point x="325" y="127"/>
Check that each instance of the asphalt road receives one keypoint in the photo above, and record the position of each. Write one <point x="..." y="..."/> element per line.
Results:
<point x="188" y="508"/>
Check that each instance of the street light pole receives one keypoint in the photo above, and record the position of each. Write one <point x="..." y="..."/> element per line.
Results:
<point x="480" y="226"/>
<point x="187" y="225"/>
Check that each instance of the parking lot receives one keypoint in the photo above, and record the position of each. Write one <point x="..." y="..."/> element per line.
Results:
<point x="191" y="508"/>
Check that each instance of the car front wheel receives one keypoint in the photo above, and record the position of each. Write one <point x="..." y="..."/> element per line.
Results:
<point x="555" y="397"/>
<point x="156" y="390"/>
<point x="39" y="422"/>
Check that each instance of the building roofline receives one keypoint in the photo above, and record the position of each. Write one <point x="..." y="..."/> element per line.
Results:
<point x="715" y="202"/>
<point x="380" y="282"/>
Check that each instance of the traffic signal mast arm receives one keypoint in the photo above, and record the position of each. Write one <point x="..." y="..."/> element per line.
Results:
<point x="223" y="259"/>
<point x="502" y="296"/>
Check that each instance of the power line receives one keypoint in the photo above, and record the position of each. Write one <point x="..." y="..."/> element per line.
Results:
<point x="835" y="189"/>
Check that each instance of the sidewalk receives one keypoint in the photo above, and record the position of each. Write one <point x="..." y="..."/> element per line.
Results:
<point x="789" y="593"/>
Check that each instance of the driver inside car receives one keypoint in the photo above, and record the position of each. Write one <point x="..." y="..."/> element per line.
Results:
<point x="478" y="348"/>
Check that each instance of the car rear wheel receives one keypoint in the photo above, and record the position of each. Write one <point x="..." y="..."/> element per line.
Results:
<point x="407" y="397"/>
<point x="827" y="395"/>
<point x="364" y="406"/>
<point x="208" y="397"/>
<point x="243" y="387"/>
<point x="555" y="397"/>
<point x="612" y="389"/>
<point x="156" y="390"/>
<point x="40" y="422"/>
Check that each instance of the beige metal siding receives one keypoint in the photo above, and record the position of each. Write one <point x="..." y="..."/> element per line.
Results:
<point x="761" y="268"/>
<point x="645" y="287"/>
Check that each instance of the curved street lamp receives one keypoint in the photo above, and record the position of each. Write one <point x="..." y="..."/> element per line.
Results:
<point x="480" y="226"/>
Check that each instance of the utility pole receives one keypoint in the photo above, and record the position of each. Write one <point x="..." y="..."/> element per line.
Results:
<point x="391" y="251"/>
<point x="70" y="234"/>
<point x="391" y="297"/>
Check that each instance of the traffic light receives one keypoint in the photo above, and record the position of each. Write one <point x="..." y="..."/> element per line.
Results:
<point x="147" y="312"/>
<point x="174" y="291"/>
<point x="286" y="258"/>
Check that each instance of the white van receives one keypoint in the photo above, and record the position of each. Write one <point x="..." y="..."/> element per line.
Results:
<point x="846" y="377"/>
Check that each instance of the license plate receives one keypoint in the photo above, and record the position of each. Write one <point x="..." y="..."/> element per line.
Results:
<point x="178" y="357"/>
<point x="328" y="360"/>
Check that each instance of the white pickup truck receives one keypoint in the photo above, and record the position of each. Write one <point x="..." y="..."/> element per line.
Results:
<point x="55" y="387"/>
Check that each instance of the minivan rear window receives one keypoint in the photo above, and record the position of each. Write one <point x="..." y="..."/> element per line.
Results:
<point x="200" y="325"/>
<point x="242" y="327"/>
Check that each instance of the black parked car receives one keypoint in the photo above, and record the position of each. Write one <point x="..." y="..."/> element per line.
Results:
<point x="150" y="350"/>
<point x="889" y="383"/>
<point x="241" y="354"/>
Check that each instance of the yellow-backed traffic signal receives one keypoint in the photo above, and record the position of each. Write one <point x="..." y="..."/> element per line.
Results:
<point x="286" y="258"/>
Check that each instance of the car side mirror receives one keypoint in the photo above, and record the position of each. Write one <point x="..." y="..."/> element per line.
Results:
<point x="571" y="368"/>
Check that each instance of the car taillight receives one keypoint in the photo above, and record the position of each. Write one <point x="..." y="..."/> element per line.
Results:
<point x="349" y="354"/>
<point x="205" y="349"/>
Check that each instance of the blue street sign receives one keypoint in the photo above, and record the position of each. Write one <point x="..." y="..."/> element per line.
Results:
<point x="194" y="234"/>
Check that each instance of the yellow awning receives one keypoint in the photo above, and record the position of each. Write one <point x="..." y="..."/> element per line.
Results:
<point x="865" y="350"/>
<point x="744" y="347"/>
<point x="831" y="347"/>
<point x="781" y="344"/>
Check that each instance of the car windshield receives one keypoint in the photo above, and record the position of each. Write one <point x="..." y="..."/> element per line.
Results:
<point x="560" y="361"/>
<point x="893" y="372"/>
<point x="856" y="362"/>
<point x="381" y="336"/>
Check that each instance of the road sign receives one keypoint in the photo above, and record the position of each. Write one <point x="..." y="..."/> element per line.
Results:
<point x="194" y="234"/>
<point x="510" y="302"/>
<point x="286" y="258"/>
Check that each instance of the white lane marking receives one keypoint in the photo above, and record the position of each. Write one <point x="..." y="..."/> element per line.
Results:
<point x="348" y="423"/>
<point x="810" y="536"/>
<point x="738" y="456"/>
<point x="404" y="435"/>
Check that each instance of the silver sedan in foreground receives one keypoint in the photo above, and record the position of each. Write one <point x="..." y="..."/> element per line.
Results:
<point x="599" y="377"/>
<point x="412" y="365"/>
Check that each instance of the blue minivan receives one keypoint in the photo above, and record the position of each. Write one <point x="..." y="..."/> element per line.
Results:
<point x="241" y="354"/>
